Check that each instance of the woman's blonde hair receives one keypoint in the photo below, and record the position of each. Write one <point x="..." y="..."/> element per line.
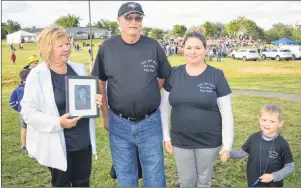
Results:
<point x="46" y="39"/>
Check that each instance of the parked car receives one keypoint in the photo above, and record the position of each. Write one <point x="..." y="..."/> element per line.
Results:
<point x="245" y="54"/>
<point x="277" y="54"/>
<point x="296" y="51"/>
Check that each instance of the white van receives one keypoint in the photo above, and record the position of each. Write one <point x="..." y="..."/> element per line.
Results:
<point x="296" y="51"/>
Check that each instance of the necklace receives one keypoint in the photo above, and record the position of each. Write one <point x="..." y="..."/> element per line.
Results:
<point x="266" y="164"/>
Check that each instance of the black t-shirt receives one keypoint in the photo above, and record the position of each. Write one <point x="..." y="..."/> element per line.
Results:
<point x="280" y="155"/>
<point x="195" y="117"/>
<point x="78" y="137"/>
<point x="132" y="71"/>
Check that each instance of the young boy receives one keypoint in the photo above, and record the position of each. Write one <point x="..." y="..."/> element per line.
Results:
<point x="270" y="159"/>
<point x="13" y="57"/>
<point x="14" y="102"/>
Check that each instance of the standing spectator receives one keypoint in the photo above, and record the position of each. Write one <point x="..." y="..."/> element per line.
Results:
<point x="214" y="51"/>
<point x="13" y="57"/>
<point x="75" y="47"/>
<point x="32" y="62"/>
<point x="134" y="116"/>
<point x="90" y="51"/>
<point x="12" y="47"/>
<point x="210" y="54"/>
<point x="14" y="102"/>
<point x="219" y="55"/>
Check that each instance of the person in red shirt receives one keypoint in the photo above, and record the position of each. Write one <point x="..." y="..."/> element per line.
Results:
<point x="13" y="58"/>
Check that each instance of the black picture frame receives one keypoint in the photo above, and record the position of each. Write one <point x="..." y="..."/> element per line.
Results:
<point x="80" y="96"/>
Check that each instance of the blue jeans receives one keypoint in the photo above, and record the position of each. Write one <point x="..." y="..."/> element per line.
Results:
<point x="146" y="136"/>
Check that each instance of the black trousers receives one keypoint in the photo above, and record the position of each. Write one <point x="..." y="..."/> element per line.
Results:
<point x="78" y="172"/>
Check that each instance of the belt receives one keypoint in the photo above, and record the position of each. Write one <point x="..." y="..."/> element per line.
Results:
<point x="134" y="119"/>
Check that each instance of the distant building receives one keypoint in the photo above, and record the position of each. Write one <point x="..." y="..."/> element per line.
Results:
<point x="36" y="30"/>
<point x="81" y="32"/>
<point x="21" y="37"/>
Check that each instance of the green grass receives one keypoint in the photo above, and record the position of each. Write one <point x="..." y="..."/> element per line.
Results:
<point x="268" y="75"/>
<point x="19" y="170"/>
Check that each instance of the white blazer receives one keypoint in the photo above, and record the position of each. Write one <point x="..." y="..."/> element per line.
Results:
<point x="45" y="138"/>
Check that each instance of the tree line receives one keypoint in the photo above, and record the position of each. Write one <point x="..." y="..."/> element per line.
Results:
<point x="236" y="28"/>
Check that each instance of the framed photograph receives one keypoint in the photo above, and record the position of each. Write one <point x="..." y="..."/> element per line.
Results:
<point x="81" y="96"/>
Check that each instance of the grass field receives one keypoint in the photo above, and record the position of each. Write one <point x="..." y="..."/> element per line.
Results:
<point x="19" y="170"/>
<point x="268" y="75"/>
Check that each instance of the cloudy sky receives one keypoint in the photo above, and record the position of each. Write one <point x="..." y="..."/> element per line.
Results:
<point x="160" y="14"/>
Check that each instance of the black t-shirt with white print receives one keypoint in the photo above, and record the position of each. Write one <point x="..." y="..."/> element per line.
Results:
<point x="195" y="117"/>
<point x="279" y="155"/>
<point x="132" y="71"/>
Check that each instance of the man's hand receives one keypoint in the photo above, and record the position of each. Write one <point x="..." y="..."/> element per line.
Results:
<point x="168" y="146"/>
<point x="68" y="123"/>
<point x="224" y="155"/>
<point x="266" y="178"/>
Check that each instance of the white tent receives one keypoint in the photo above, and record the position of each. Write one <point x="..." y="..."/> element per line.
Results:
<point x="21" y="36"/>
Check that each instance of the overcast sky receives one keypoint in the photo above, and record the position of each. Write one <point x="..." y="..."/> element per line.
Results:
<point x="160" y="14"/>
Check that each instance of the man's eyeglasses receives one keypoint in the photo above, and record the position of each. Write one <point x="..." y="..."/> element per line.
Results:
<point x="130" y="18"/>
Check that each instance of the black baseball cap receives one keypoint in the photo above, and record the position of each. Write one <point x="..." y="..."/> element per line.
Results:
<point x="130" y="7"/>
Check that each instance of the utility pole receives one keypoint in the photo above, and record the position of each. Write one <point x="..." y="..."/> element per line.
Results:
<point x="297" y="26"/>
<point x="90" y="37"/>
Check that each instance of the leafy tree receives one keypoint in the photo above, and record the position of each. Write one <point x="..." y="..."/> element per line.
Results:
<point x="156" y="33"/>
<point x="11" y="26"/>
<point x="210" y="29"/>
<point x="26" y="29"/>
<point x="98" y="24"/>
<point x="3" y="31"/>
<point x="179" y="30"/>
<point x="243" y="27"/>
<point x="297" y="34"/>
<point x="271" y="35"/>
<point x="146" y="30"/>
<point x="259" y="33"/>
<point x="68" y="21"/>
<point x="220" y="27"/>
<point x="168" y="34"/>
<point x="110" y="25"/>
<point x="278" y="31"/>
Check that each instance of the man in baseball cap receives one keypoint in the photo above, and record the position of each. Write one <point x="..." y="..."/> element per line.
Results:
<point x="32" y="62"/>
<point x="141" y="59"/>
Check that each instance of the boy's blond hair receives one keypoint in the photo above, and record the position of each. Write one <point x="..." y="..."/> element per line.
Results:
<point x="274" y="108"/>
<point x="46" y="39"/>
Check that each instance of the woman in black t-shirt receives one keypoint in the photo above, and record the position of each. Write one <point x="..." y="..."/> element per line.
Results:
<point x="201" y="116"/>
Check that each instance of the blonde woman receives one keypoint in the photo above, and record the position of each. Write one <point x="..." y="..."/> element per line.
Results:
<point x="62" y="144"/>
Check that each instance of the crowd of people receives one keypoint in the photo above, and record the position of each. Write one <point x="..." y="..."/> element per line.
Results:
<point x="136" y="116"/>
